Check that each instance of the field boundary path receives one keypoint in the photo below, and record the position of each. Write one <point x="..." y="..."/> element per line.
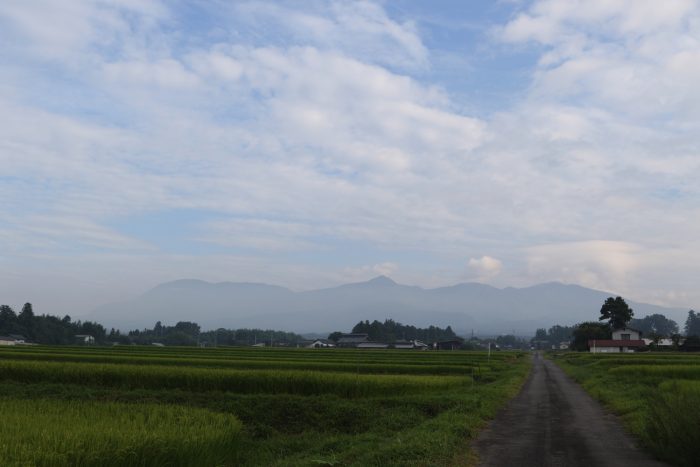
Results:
<point x="554" y="422"/>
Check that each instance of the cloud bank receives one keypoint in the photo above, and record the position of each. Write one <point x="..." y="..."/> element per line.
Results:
<point x="310" y="145"/>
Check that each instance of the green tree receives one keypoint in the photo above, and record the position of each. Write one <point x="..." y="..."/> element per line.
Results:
<point x="692" y="324"/>
<point x="616" y="312"/>
<point x="655" y="324"/>
<point x="26" y="320"/>
<point x="584" y="332"/>
<point x="334" y="336"/>
<point x="8" y="320"/>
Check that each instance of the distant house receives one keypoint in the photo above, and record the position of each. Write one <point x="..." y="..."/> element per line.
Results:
<point x="664" y="343"/>
<point x="352" y="339"/>
<point x="84" y="339"/>
<point x="447" y="345"/>
<point x="372" y="345"/>
<point x="319" y="344"/>
<point x="623" y="340"/>
<point x="415" y="344"/>
<point x="7" y="340"/>
<point x="403" y="345"/>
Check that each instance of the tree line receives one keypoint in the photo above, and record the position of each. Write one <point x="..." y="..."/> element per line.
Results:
<point x="54" y="330"/>
<point x="189" y="333"/>
<point x="391" y="331"/>
<point x="46" y="329"/>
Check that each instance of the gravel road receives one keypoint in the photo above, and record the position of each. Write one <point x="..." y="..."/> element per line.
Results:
<point x="553" y="422"/>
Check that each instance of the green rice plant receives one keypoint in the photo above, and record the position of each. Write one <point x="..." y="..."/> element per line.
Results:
<point x="59" y="433"/>
<point x="672" y="423"/>
<point x="241" y="363"/>
<point x="656" y="372"/>
<point x="242" y="381"/>
<point x="298" y="406"/>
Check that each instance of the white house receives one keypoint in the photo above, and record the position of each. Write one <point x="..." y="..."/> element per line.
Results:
<point x="6" y="340"/>
<point x="320" y="344"/>
<point x="626" y="334"/>
<point x="414" y="344"/>
<point x="623" y="340"/>
<point x="664" y="342"/>
<point x="86" y="339"/>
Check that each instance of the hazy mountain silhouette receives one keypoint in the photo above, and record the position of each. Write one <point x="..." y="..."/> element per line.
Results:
<point x="483" y="308"/>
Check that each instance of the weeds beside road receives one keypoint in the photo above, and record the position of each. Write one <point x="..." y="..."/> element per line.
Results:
<point x="657" y="396"/>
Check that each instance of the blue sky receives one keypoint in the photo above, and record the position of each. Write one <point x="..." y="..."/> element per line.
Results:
<point x="312" y="143"/>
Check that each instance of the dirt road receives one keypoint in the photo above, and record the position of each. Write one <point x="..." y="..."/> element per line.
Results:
<point x="553" y="422"/>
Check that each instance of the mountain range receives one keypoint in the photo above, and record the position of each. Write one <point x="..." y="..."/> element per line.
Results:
<point x="467" y="307"/>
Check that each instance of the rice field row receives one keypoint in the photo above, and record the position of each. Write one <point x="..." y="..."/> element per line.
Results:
<point x="47" y="432"/>
<point x="302" y="362"/>
<point x="238" y="381"/>
<point x="248" y="406"/>
<point x="656" y="395"/>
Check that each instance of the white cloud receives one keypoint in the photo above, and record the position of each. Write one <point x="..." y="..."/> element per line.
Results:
<point x="359" y="29"/>
<point x="331" y="135"/>
<point x="485" y="267"/>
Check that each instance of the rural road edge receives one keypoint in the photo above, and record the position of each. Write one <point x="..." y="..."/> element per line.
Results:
<point x="554" y="422"/>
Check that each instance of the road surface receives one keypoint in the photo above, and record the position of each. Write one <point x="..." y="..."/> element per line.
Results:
<point x="553" y="422"/>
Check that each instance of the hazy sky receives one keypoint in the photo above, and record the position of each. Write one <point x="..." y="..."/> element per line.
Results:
<point x="311" y="143"/>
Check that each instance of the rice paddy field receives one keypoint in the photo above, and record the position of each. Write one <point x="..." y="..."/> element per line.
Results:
<point x="656" y="394"/>
<point x="154" y="406"/>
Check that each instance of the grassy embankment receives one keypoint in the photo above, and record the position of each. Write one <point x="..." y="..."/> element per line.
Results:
<point x="243" y="406"/>
<point x="657" y="395"/>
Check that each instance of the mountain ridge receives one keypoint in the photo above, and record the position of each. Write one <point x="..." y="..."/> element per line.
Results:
<point x="464" y="306"/>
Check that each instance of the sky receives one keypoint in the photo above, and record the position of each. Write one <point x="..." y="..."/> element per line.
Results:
<point x="314" y="143"/>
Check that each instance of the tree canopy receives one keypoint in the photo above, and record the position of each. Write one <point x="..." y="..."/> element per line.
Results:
<point x="391" y="331"/>
<point x="616" y="312"/>
<point x="583" y="332"/>
<point x="655" y="325"/>
<point x="46" y="329"/>
<point x="692" y="324"/>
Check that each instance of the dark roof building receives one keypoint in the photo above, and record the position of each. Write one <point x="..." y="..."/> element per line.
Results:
<point x="352" y="339"/>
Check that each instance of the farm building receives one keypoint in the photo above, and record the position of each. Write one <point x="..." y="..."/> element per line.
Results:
<point x="447" y="345"/>
<point x="319" y="344"/>
<point x="352" y="340"/>
<point x="623" y="340"/>
<point x="372" y="345"/>
<point x="415" y="344"/>
<point x="7" y="340"/>
<point x="85" y="339"/>
<point x="664" y="343"/>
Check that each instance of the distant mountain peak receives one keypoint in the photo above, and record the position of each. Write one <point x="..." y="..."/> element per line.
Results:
<point x="381" y="280"/>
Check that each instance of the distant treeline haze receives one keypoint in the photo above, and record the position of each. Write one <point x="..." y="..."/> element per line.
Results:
<point x="391" y="331"/>
<point x="45" y="329"/>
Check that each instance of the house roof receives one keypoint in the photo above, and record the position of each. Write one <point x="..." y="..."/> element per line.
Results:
<point x="353" y="339"/>
<point x="616" y="343"/>
<point x="372" y="345"/>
